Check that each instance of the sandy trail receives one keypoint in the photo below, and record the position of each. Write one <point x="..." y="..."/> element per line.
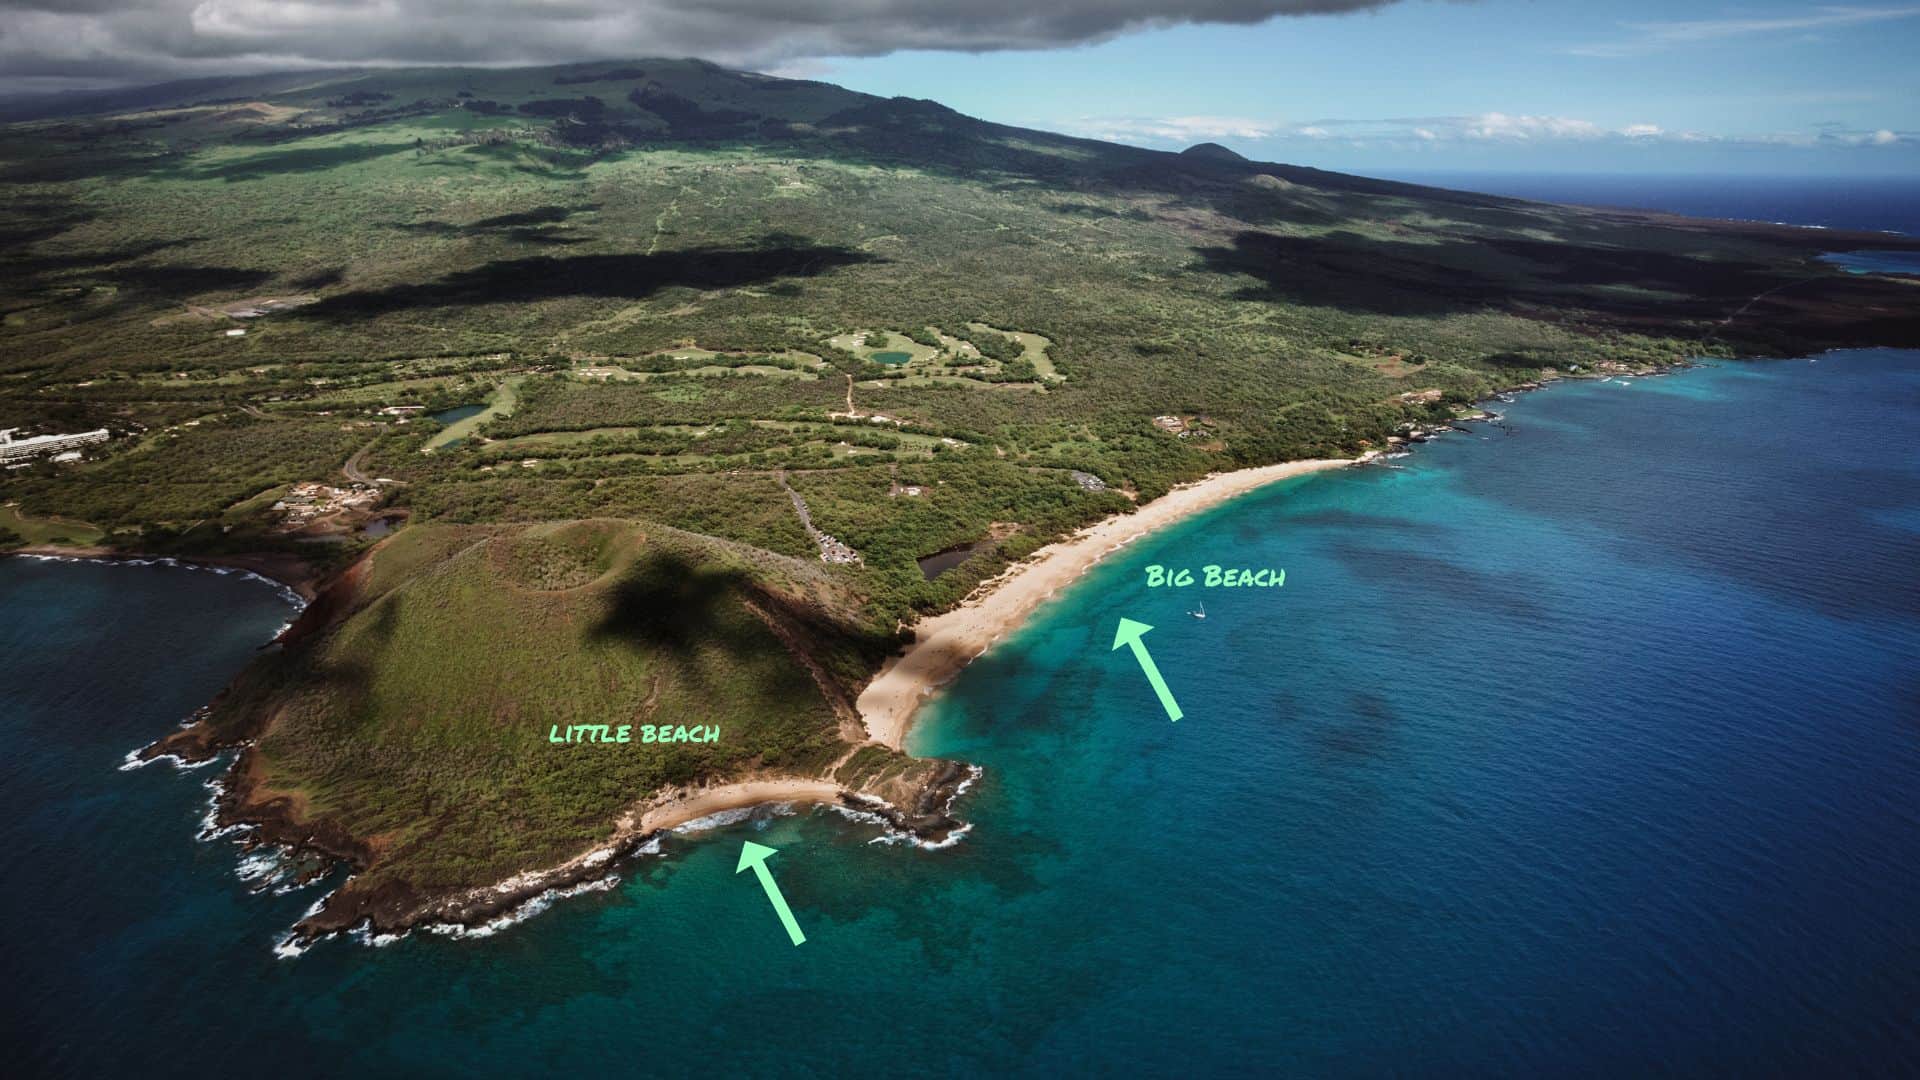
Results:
<point x="948" y="642"/>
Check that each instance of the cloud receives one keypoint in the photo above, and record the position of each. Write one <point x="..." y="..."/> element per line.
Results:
<point x="1660" y="36"/>
<point x="1438" y="132"/>
<point x="102" y="41"/>
<point x="1495" y="127"/>
<point x="1877" y="137"/>
<point x="1483" y="127"/>
<point x="797" y="69"/>
<point x="1169" y="130"/>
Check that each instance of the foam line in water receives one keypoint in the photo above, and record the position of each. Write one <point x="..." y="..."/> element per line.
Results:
<point x="286" y="591"/>
<point x="532" y="906"/>
<point x="723" y="818"/>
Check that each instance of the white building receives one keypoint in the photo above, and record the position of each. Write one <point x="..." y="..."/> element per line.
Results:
<point x="12" y="449"/>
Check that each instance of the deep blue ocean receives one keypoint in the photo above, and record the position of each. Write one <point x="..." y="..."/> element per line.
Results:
<point x="1592" y="748"/>
<point x="1873" y="203"/>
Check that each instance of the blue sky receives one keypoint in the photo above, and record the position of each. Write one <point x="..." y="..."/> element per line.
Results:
<point x="1493" y="85"/>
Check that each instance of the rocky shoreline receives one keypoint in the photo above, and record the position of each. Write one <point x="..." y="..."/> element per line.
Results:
<point x="288" y="571"/>
<point x="1412" y="433"/>
<point x="398" y="910"/>
<point x="922" y="814"/>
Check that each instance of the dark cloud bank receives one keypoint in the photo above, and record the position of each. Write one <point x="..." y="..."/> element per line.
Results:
<point x="53" y="43"/>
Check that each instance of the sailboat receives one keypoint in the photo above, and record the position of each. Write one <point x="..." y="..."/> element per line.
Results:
<point x="1202" y="613"/>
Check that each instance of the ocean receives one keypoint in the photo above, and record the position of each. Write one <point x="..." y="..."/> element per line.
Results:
<point x="1587" y="745"/>
<point x="1870" y="203"/>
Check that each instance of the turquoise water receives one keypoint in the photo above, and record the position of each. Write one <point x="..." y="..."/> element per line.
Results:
<point x="892" y="358"/>
<point x="1593" y="749"/>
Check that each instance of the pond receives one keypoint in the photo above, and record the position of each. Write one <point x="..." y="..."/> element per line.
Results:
<point x="457" y="414"/>
<point x="892" y="358"/>
<point x="932" y="566"/>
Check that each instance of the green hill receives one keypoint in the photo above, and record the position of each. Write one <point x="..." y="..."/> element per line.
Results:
<point x="410" y="723"/>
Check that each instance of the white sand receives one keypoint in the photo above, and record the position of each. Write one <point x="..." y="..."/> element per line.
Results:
<point x="707" y="801"/>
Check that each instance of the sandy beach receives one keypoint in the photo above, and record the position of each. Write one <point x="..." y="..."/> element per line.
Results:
<point x="948" y="642"/>
<point x="713" y="800"/>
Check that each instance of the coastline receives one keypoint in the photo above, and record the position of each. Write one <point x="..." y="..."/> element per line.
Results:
<point x="281" y="568"/>
<point x="915" y="808"/>
<point x="384" y="913"/>
<point x="946" y="643"/>
<point x="693" y="805"/>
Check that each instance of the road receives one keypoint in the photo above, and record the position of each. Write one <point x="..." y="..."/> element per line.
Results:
<point x="352" y="467"/>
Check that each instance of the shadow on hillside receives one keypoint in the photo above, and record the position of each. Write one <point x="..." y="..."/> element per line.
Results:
<point x="62" y="165"/>
<point x="285" y="162"/>
<point x="95" y="159"/>
<point x="132" y="286"/>
<point x="321" y="278"/>
<point x="25" y="222"/>
<point x="675" y="606"/>
<point x="1363" y="274"/>
<point x="182" y="281"/>
<point x="624" y="277"/>
<point x="1347" y="271"/>
<point x="540" y="225"/>
<point x="24" y="268"/>
<point x="539" y="215"/>
<point x="671" y="603"/>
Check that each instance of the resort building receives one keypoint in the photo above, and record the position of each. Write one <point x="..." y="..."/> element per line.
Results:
<point x="12" y="449"/>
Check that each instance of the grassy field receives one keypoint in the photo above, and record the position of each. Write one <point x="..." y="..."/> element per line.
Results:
<point x="32" y="530"/>
<point x="504" y="399"/>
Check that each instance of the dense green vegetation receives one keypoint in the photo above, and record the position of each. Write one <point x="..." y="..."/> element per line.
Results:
<point x="662" y="247"/>
<point x="671" y="284"/>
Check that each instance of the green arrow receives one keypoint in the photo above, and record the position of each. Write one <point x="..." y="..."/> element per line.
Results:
<point x="755" y="855"/>
<point x="1129" y="634"/>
